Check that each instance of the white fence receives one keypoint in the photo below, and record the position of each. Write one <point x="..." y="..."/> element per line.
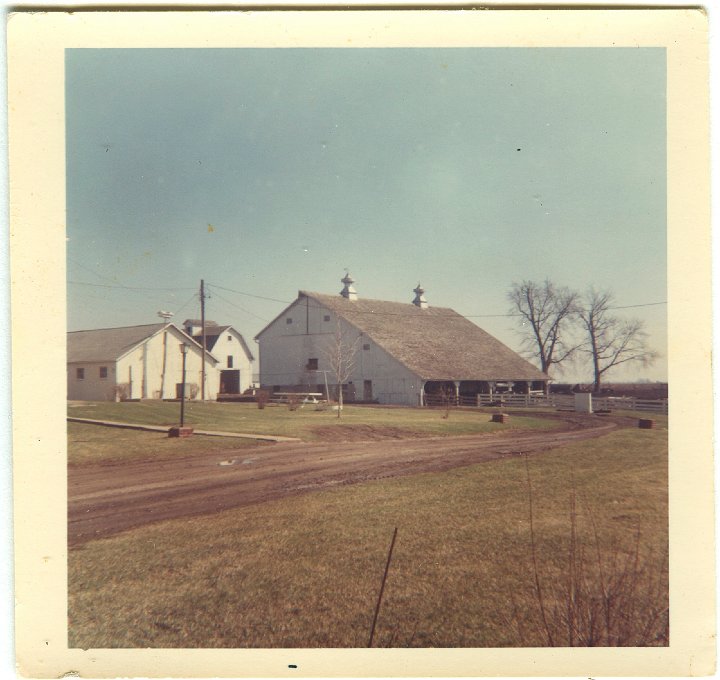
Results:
<point x="566" y="401"/>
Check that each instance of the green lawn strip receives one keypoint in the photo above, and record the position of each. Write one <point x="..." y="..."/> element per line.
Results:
<point x="94" y="444"/>
<point x="305" y="571"/>
<point x="306" y="423"/>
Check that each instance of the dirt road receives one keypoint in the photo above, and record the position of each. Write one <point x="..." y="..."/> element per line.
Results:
<point x="104" y="499"/>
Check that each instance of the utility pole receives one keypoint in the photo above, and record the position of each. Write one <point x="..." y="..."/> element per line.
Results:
<point x="183" y="350"/>
<point x="202" y="321"/>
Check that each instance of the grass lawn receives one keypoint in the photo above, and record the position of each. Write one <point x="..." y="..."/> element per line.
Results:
<point x="305" y="571"/>
<point x="306" y="423"/>
<point x="93" y="444"/>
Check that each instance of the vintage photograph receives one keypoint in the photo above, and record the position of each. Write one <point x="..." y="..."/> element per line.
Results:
<point x="334" y="293"/>
<point x="368" y="345"/>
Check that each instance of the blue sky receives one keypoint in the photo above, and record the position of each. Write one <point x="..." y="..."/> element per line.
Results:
<point x="265" y="171"/>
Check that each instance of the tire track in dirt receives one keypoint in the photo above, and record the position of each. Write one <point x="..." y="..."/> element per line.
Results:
<point x="107" y="498"/>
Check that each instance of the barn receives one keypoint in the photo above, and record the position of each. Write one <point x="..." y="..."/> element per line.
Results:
<point x="136" y="362"/>
<point x="230" y="349"/>
<point x="388" y="352"/>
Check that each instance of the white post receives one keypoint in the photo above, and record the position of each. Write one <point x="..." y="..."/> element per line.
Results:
<point x="583" y="402"/>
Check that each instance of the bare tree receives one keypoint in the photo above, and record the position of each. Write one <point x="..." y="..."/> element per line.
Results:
<point x="340" y="355"/>
<point x="611" y="340"/>
<point x="547" y="312"/>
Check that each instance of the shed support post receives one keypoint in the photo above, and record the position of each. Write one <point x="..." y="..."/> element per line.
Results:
<point x="457" y="392"/>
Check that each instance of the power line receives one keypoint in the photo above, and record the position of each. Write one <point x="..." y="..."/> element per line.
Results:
<point x="242" y="309"/>
<point x="644" y="304"/>
<point x="467" y="316"/>
<point x="288" y="302"/>
<point x="259" y="297"/>
<point x="192" y="297"/>
<point x="132" y="288"/>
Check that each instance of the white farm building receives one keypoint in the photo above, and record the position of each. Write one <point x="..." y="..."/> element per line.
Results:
<point x="228" y="346"/>
<point x="145" y="362"/>
<point x="389" y="352"/>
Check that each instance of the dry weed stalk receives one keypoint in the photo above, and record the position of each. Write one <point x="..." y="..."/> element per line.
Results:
<point x="612" y="598"/>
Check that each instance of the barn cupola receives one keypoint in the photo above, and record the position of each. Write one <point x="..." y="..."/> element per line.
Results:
<point x="348" y="291"/>
<point x="420" y="300"/>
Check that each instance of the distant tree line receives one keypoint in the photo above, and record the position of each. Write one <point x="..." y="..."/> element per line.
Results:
<point x="559" y="325"/>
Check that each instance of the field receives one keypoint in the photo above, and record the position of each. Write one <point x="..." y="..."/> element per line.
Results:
<point x="308" y="424"/>
<point x="565" y="547"/>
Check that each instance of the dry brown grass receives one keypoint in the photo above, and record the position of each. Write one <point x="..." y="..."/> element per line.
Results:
<point x="305" y="571"/>
<point x="606" y="595"/>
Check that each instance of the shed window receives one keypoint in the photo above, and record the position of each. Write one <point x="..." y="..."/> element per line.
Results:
<point x="229" y="361"/>
<point x="288" y="320"/>
<point x="229" y="338"/>
<point x="366" y="346"/>
<point x="80" y="373"/>
<point x="326" y="317"/>
<point x="103" y="372"/>
<point x="312" y="365"/>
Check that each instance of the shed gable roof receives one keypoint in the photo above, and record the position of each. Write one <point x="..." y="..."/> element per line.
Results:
<point x="435" y="343"/>
<point x="110" y="344"/>
<point x="213" y="335"/>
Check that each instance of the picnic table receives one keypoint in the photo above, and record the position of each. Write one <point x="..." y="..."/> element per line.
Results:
<point x="305" y="397"/>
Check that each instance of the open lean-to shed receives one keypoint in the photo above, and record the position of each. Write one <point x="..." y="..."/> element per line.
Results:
<point x="394" y="352"/>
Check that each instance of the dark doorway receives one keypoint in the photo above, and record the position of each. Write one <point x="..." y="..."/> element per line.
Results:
<point x="367" y="390"/>
<point x="230" y="382"/>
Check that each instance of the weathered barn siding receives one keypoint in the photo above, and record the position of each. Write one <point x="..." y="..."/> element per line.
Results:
<point x="229" y="348"/>
<point x="307" y="330"/>
<point x="136" y="372"/>
<point x="91" y="387"/>
<point x="402" y="350"/>
<point x="142" y="370"/>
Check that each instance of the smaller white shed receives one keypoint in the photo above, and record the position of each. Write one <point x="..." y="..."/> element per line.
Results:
<point x="230" y="349"/>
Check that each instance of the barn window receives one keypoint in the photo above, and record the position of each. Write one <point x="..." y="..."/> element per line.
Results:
<point x="288" y="320"/>
<point x="103" y="372"/>
<point x="229" y="338"/>
<point x="80" y="373"/>
<point x="326" y="317"/>
<point x="312" y="365"/>
<point x="366" y="346"/>
<point x="230" y="361"/>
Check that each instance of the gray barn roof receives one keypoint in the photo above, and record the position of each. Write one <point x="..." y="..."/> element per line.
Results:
<point x="110" y="344"/>
<point x="435" y="343"/>
<point x="213" y="334"/>
<point x="107" y="344"/>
